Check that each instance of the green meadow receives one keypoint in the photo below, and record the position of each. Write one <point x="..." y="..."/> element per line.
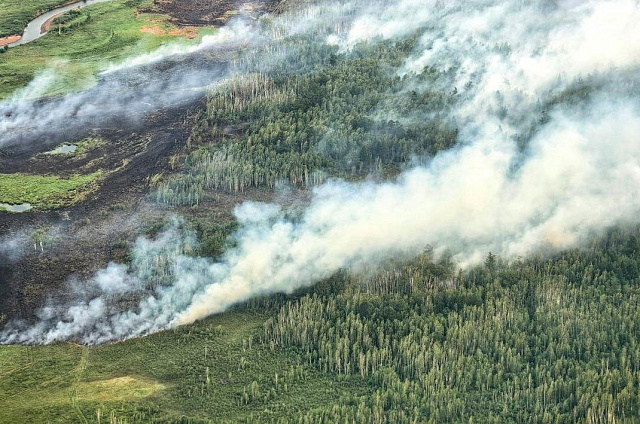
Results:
<point x="44" y="191"/>
<point x="101" y="34"/>
<point x="214" y="368"/>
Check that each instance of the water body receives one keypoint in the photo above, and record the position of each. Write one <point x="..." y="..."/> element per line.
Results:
<point x="33" y="31"/>
<point x="63" y="150"/>
<point x="15" y="208"/>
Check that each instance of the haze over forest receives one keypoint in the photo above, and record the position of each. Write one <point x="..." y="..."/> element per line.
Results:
<point x="320" y="211"/>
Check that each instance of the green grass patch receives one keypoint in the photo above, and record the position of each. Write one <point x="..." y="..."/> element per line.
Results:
<point x="199" y="371"/>
<point x="16" y="14"/>
<point x="89" y="144"/>
<point x="44" y="191"/>
<point x="113" y="33"/>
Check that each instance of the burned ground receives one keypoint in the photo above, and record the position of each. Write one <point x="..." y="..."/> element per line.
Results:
<point x="135" y="147"/>
<point x="209" y="12"/>
<point x="85" y="237"/>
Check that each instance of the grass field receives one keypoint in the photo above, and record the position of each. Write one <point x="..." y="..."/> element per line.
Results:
<point x="113" y="32"/>
<point x="43" y="191"/>
<point x="15" y="14"/>
<point x="192" y="374"/>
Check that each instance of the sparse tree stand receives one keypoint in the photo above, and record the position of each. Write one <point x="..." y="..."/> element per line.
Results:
<point x="39" y="238"/>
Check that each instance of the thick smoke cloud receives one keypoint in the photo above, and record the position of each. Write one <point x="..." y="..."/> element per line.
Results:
<point x="467" y="201"/>
<point x="578" y="175"/>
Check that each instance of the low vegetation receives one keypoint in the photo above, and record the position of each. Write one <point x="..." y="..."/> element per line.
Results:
<point x="44" y="192"/>
<point x="99" y="34"/>
<point x="216" y="368"/>
<point x="16" y="14"/>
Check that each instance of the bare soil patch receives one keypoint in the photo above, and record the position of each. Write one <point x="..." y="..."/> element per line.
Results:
<point x="186" y="31"/>
<point x="8" y="40"/>
<point x="46" y="27"/>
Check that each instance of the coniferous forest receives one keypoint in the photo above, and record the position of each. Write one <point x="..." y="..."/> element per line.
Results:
<point x="382" y="212"/>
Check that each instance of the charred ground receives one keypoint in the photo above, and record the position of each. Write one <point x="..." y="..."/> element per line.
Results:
<point x="131" y="151"/>
<point x="207" y="12"/>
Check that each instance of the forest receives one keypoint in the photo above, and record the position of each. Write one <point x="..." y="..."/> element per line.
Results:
<point x="299" y="127"/>
<point x="531" y="341"/>
<point x="539" y="339"/>
<point x="536" y="325"/>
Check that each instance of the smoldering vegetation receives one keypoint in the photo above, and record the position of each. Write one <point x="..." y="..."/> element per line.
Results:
<point x="538" y="100"/>
<point x="111" y="292"/>
<point x="13" y="246"/>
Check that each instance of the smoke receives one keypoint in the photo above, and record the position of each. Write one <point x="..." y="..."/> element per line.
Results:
<point x="172" y="76"/>
<point x="582" y="175"/>
<point x="525" y="50"/>
<point x="12" y="247"/>
<point x="97" y="311"/>
<point x="578" y="174"/>
<point x="236" y="33"/>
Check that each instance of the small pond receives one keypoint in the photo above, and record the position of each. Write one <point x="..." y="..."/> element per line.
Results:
<point x="64" y="149"/>
<point x="15" y="208"/>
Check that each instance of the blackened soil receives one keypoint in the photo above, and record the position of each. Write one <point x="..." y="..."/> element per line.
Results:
<point x="209" y="12"/>
<point x="85" y="237"/>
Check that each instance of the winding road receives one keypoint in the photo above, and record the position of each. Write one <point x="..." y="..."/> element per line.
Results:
<point x="35" y="28"/>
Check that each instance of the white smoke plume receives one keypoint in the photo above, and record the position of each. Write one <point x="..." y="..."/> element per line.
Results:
<point x="171" y="76"/>
<point x="235" y="34"/>
<point x="96" y="310"/>
<point x="467" y="201"/>
<point x="579" y="174"/>
<point x="13" y="246"/>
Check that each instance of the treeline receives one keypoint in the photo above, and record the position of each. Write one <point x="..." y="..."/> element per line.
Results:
<point x="536" y="341"/>
<point x="346" y="115"/>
